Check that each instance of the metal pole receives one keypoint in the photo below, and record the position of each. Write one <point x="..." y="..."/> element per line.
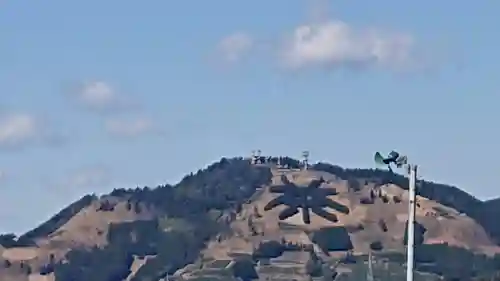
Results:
<point x="369" y="274"/>
<point x="411" y="222"/>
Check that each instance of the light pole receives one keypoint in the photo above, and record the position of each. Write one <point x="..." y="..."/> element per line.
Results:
<point x="400" y="161"/>
<point x="410" y="260"/>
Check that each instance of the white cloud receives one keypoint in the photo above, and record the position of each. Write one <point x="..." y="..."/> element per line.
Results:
<point x="129" y="127"/>
<point x="335" y="43"/>
<point x="18" y="129"/>
<point x="102" y="96"/>
<point x="98" y="94"/>
<point x="234" y="46"/>
<point x="119" y="117"/>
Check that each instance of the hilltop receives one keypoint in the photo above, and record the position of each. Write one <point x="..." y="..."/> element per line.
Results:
<point x="221" y="223"/>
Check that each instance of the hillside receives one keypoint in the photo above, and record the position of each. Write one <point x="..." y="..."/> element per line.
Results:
<point x="231" y="220"/>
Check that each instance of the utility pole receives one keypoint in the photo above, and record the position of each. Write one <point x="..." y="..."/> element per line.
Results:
<point x="410" y="260"/>
<point x="411" y="169"/>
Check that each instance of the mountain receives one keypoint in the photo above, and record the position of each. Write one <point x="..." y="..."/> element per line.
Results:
<point x="235" y="219"/>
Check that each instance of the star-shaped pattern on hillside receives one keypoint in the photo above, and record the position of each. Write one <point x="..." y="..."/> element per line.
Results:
<point x="311" y="198"/>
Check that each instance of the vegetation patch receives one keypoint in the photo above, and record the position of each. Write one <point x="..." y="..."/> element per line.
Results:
<point x="244" y="269"/>
<point x="376" y="246"/>
<point x="420" y="231"/>
<point x="331" y="239"/>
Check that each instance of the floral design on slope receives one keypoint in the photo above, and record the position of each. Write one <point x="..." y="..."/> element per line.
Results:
<point x="312" y="198"/>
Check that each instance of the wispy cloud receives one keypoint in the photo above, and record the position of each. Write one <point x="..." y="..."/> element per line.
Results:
<point x="20" y="130"/>
<point x="337" y="44"/>
<point x="17" y="129"/>
<point x="101" y="96"/>
<point x="325" y="42"/>
<point x="235" y="46"/>
<point x="121" y="116"/>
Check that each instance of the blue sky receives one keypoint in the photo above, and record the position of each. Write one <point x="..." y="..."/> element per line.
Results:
<point x="103" y="94"/>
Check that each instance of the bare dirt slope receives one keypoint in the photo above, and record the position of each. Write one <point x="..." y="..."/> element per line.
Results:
<point x="381" y="217"/>
<point x="88" y="228"/>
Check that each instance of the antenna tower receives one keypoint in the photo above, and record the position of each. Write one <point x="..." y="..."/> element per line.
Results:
<point x="305" y="157"/>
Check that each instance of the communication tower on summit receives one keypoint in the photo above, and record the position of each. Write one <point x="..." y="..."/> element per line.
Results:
<point x="256" y="157"/>
<point x="305" y="159"/>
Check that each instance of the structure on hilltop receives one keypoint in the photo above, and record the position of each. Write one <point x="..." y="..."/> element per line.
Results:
<point x="257" y="158"/>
